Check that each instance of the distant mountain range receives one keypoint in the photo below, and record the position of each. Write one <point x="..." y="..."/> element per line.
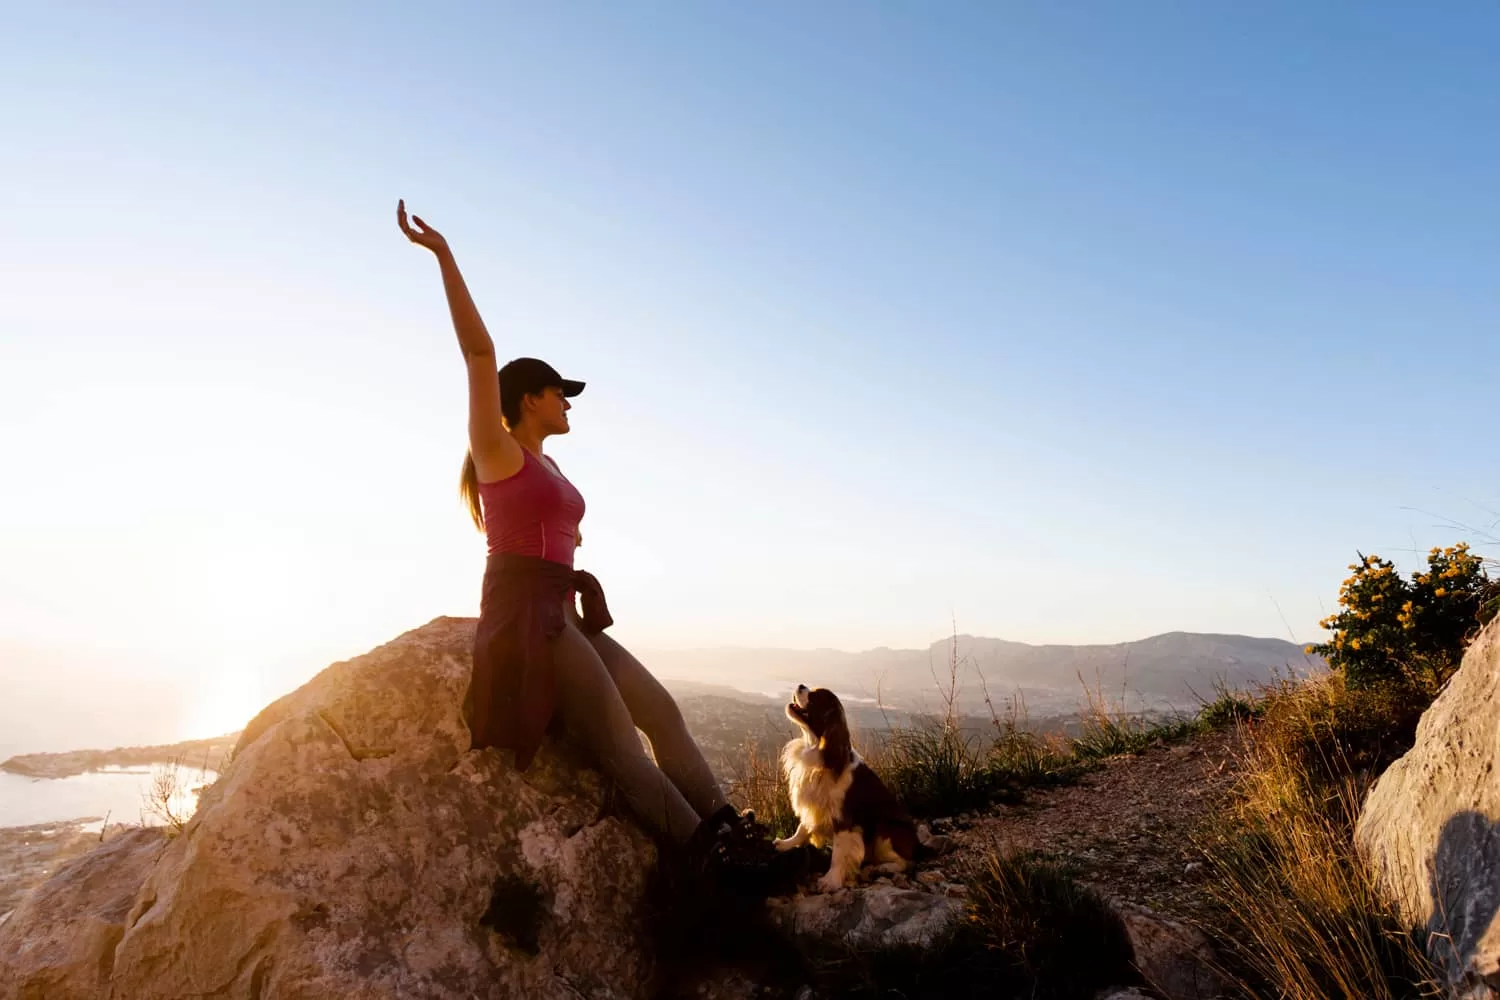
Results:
<point x="53" y="701"/>
<point x="1174" y="671"/>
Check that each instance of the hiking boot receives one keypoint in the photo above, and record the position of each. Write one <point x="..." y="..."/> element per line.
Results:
<point x="753" y="826"/>
<point x="713" y="829"/>
<point x="752" y="868"/>
<point x="694" y="864"/>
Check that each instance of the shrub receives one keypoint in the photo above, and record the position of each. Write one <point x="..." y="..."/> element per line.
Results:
<point x="1020" y="758"/>
<point x="1413" y="633"/>
<point x="171" y="799"/>
<point x="936" y="768"/>
<point x="1230" y="708"/>
<point x="1109" y="729"/>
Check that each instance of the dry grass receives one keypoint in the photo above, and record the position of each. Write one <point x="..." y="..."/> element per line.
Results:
<point x="1058" y="937"/>
<point x="172" y="797"/>
<point x="759" y="783"/>
<point x="1111" y="728"/>
<point x="1305" y="919"/>
<point x="945" y="765"/>
<point x="937" y="769"/>
<point x="1297" y="914"/>
<point x="164" y="798"/>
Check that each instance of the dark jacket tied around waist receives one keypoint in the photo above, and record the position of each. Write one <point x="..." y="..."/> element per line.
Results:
<point x="514" y="687"/>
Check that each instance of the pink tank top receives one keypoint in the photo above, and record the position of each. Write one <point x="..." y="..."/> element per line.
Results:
<point x="533" y="513"/>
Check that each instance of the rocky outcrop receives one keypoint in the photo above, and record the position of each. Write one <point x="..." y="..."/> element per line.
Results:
<point x="60" y="942"/>
<point x="29" y="855"/>
<point x="1176" y="959"/>
<point x="356" y="849"/>
<point x="873" y="919"/>
<point x="1429" y="825"/>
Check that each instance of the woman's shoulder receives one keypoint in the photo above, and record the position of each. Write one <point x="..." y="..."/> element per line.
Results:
<point x="527" y="460"/>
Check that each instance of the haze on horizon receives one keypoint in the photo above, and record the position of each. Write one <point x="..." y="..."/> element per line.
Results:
<point x="1071" y="323"/>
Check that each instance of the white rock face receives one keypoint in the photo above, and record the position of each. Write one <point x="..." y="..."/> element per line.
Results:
<point x="1429" y="826"/>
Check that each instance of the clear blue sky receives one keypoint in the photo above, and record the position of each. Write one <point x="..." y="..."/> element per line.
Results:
<point x="1068" y="322"/>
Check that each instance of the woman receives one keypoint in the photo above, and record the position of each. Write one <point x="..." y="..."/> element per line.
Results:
<point x="536" y="661"/>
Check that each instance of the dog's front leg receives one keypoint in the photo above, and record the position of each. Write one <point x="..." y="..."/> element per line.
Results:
<point x="802" y="835"/>
<point x="848" y="855"/>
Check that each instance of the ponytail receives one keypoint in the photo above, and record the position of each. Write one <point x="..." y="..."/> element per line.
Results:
<point x="468" y="488"/>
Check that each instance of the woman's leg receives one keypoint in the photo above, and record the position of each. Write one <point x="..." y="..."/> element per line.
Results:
<point x="596" y="718"/>
<point x="658" y="716"/>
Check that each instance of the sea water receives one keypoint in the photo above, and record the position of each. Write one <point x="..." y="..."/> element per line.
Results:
<point x="118" y="794"/>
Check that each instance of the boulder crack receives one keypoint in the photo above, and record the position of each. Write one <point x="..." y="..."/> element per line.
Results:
<point x="357" y="753"/>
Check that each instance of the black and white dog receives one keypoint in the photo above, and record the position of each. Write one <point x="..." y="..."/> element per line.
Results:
<point x="838" y="798"/>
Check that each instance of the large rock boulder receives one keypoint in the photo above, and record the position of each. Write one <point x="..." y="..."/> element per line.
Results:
<point x="356" y="849"/>
<point x="1429" y="825"/>
<point x="60" y="942"/>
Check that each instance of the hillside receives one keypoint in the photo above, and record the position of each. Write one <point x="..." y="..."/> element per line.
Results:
<point x="1163" y="672"/>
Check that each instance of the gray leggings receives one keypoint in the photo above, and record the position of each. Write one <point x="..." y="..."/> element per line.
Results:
<point x="603" y="695"/>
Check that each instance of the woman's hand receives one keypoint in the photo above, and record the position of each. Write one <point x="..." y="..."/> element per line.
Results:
<point x="422" y="235"/>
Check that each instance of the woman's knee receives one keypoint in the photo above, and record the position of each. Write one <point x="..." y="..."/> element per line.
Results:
<point x="658" y="714"/>
<point x="592" y="707"/>
<point x="651" y="704"/>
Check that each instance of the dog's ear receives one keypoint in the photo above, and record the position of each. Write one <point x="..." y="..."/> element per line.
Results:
<point x="835" y="748"/>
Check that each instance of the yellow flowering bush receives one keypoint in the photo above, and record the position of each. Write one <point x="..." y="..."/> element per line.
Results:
<point x="1389" y="629"/>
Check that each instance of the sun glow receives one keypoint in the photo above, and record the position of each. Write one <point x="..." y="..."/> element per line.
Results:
<point x="223" y="703"/>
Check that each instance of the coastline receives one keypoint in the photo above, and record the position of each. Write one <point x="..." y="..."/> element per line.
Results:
<point x="206" y="755"/>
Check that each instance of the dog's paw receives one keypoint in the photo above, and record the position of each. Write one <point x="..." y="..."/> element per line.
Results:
<point x="784" y="843"/>
<point x="830" y="883"/>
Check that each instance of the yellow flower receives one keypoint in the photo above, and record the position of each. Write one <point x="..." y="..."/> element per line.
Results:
<point x="1441" y="592"/>
<point x="1353" y="643"/>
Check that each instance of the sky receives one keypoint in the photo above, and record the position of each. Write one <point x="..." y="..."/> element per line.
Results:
<point x="1050" y="322"/>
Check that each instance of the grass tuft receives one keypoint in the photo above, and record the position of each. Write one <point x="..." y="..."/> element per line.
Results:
<point x="1046" y="929"/>
<point x="1304" y="918"/>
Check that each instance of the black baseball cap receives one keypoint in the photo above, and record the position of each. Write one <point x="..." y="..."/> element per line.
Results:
<point x="528" y="375"/>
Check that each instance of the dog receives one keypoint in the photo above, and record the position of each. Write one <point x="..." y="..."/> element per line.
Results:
<point x="838" y="798"/>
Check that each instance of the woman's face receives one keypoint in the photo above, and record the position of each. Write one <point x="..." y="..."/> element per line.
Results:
<point x="549" y="410"/>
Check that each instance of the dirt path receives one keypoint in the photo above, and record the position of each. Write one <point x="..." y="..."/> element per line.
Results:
<point x="1125" y="828"/>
